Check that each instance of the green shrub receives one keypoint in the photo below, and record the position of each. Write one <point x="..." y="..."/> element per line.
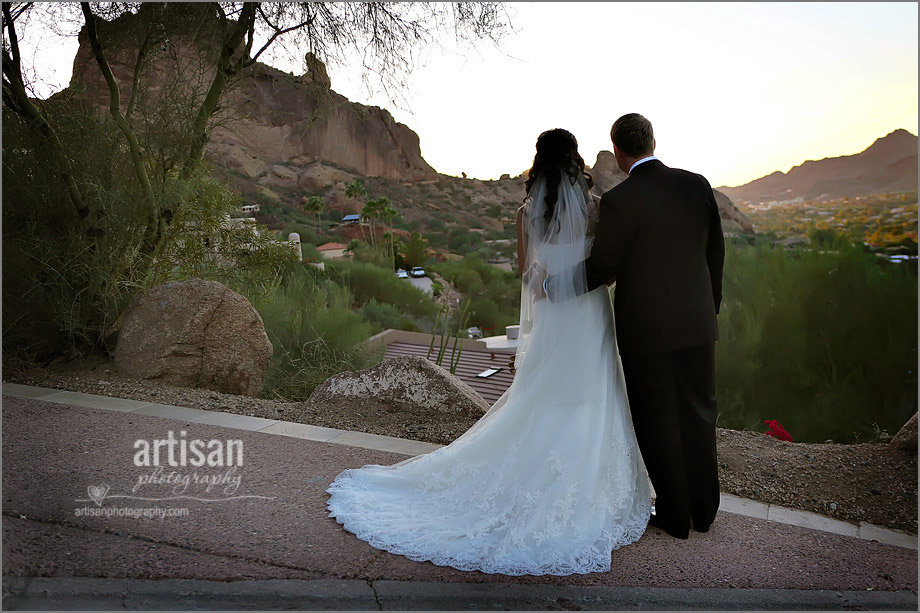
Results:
<point x="385" y="316"/>
<point x="314" y="332"/>
<point x="495" y="293"/>
<point x="67" y="278"/>
<point x="824" y="342"/>
<point x="370" y="282"/>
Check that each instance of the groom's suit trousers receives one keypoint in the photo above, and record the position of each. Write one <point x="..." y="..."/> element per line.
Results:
<point x="673" y="405"/>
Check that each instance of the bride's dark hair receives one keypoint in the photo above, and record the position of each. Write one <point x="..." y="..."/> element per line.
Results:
<point x="557" y="155"/>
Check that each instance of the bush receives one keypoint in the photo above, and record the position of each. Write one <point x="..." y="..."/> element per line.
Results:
<point x="495" y="293"/>
<point x="824" y="343"/>
<point x="369" y="282"/>
<point x="314" y="332"/>
<point x="385" y="316"/>
<point x="67" y="279"/>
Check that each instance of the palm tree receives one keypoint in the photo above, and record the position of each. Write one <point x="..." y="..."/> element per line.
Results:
<point x="355" y="191"/>
<point x="314" y="205"/>
<point x="371" y="211"/>
<point x="387" y="212"/>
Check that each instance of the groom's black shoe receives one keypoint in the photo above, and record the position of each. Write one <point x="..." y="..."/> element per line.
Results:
<point x="656" y="522"/>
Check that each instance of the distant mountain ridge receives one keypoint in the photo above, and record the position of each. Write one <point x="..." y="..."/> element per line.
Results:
<point x="888" y="165"/>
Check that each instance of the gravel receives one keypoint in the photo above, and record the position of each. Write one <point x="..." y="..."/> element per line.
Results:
<point x="863" y="482"/>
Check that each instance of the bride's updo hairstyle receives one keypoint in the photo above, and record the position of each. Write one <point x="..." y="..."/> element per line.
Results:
<point x="557" y="155"/>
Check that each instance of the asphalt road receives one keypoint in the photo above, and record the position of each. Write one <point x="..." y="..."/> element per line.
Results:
<point x="423" y="283"/>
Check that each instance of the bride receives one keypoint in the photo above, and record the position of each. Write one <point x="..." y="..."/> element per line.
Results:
<point x="550" y="480"/>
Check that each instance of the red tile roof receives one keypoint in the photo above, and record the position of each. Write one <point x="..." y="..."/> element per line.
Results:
<point x="331" y="246"/>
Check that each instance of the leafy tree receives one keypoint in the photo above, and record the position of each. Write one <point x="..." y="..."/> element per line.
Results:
<point x="371" y="212"/>
<point x="416" y="249"/>
<point x="386" y="212"/>
<point x="380" y="209"/>
<point x="112" y="212"/>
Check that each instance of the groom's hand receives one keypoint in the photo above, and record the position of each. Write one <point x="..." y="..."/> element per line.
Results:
<point x="539" y="293"/>
<point x="539" y="288"/>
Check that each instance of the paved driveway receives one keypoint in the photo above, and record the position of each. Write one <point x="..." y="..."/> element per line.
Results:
<point x="423" y="283"/>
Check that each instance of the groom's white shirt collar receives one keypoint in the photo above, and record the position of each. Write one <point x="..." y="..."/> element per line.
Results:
<point x="645" y="159"/>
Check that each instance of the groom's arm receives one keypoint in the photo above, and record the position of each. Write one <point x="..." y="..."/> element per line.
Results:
<point x="715" y="250"/>
<point x="611" y="241"/>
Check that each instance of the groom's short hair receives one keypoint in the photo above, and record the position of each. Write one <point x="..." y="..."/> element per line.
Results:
<point x="633" y="134"/>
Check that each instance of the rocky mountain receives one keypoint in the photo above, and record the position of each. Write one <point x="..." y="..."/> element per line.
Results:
<point x="270" y="117"/>
<point x="888" y="165"/>
<point x="281" y="137"/>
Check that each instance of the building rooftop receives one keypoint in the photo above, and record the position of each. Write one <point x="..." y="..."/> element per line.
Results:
<point x="331" y="247"/>
<point x="472" y="362"/>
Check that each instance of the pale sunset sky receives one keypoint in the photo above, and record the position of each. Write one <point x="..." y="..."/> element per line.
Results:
<point x="735" y="91"/>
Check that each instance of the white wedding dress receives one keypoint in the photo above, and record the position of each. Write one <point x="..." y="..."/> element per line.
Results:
<point x="550" y="480"/>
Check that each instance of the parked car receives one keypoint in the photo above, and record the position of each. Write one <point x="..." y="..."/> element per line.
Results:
<point x="402" y="274"/>
<point x="474" y="332"/>
<point x="418" y="271"/>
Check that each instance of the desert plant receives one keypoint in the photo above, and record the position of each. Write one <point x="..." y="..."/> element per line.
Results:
<point x="314" y="332"/>
<point x="826" y="343"/>
<point x="66" y="282"/>
<point x="368" y="281"/>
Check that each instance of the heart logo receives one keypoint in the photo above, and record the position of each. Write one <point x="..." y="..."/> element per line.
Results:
<point x="97" y="493"/>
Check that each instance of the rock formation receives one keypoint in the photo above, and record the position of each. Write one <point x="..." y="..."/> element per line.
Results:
<point x="409" y="383"/>
<point x="605" y="171"/>
<point x="271" y="117"/>
<point x="194" y="334"/>
<point x="280" y="136"/>
<point x="733" y="220"/>
<point x="906" y="438"/>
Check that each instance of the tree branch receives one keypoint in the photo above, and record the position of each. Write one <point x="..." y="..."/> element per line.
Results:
<point x="226" y="68"/>
<point x="278" y="32"/>
<point x="14" y="90"/>
<point x="136" y="77"/>
<point x="140" y="170"/>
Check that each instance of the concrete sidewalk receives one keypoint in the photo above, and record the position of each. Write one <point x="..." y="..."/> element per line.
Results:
<point x="69" y="457"/>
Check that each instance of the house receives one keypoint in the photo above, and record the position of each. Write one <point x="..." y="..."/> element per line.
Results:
<point x="332" y="251"/>
<point x="351" y="220"/>
<point x="249" y="208"/>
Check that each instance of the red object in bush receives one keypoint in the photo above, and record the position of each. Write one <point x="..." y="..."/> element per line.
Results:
<point x="777" y="430"/>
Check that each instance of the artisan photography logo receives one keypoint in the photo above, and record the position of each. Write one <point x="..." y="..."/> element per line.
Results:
<point x="175" y="468"/>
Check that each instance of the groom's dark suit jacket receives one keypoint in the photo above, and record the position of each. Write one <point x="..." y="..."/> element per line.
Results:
<point x="659" y="235"/>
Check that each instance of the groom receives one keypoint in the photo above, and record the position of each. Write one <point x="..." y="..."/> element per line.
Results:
<point x="659" y="237"/>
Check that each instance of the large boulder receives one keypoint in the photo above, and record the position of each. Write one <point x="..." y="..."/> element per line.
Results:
<point x="319" y="176"/>
<point x="280" y="176"/>
<point x="906" y="438"/>
<point x="408" y="383"/>
<point x="194" y="334"/>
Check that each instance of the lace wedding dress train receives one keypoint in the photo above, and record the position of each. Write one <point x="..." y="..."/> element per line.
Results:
<point x="550" y="480"/>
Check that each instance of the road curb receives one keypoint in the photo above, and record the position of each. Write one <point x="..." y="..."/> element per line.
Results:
<point x="73" y="593"/>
